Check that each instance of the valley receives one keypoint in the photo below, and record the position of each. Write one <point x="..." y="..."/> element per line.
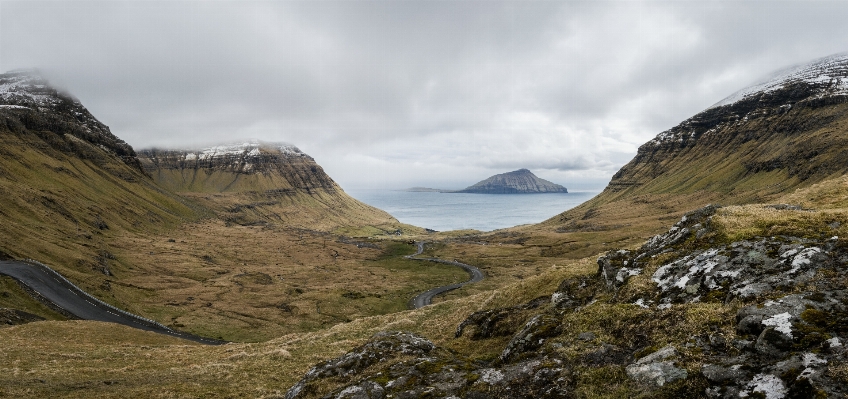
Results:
<point x="712" y="265"/>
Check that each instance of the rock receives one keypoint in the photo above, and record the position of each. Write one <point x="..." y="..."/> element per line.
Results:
<point x="655" y="370"/>
<point x="657" y="374"/>
<point x="538" y="378"/>
<point x="497" y="322"/>
<point x="769" y="386"/>
<point x="721" y="374"/>
<point x="662" y="354"/>
<point x="743" y="269"/>
<point x="575" y="292"/>
<point x="532" y="336"/>
<point x="780" y="315"/>
<point x="383" y="346"/>
<point x="606" y="355"/>
<point x="365" y="390"/>
<point x="697" y="221"/>
<point x="15" y="317"/>
<point x="586" y="336"/>
<point x="615" y="267"/>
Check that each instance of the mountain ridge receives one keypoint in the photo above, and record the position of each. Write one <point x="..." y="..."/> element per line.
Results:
<point x="38" y="106"/>
<point x="774" y="138"/>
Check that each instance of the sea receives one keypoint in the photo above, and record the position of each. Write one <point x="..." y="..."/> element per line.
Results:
<point x="458" y="211"/>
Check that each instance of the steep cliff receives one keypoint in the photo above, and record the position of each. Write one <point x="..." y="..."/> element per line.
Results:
<point x="521" y="181"/>
<point x="248" y="166"/>
<point x="258" y="183"/>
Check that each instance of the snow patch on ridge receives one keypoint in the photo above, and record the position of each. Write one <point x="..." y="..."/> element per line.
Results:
<point x="248" y="149"/>
<point x="830" y="73"/>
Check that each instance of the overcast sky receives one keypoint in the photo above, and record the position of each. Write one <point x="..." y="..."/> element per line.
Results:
<point x="400" y="93"/>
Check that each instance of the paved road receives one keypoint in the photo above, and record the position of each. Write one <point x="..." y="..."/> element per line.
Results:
<point x="425" y="298"/>
<point x="56" y="289"/>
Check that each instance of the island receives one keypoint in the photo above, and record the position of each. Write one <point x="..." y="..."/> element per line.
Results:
<point x="521" y="181"/>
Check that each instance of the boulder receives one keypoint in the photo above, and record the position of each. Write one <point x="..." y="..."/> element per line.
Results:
<point x="655" y="370"/>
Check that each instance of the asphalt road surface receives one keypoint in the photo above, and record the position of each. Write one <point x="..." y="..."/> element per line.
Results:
<point x="55" y="289"/>
<point x="425" y="298"/>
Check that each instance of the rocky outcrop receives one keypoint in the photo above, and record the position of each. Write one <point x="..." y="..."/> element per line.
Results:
<point x="521" y="181"/>
<point x="795" y="319"/>
<point x="770" y="312"/>
<point x="285" y="162"/>
<point x="429" y="371"/>
<point x="29" y="103"/>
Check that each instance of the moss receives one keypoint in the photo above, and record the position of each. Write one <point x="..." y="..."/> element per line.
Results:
<point x="716" y="296"/>
<point x="692" y="387"/>
<point x="816" y="317"/>
<point x="602" y="382"/>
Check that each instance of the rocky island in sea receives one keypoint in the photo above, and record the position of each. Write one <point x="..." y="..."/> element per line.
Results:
<point x="521" y="181"/>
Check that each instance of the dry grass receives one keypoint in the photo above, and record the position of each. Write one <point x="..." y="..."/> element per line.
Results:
<point x="250" y="283"/>
<point x="747" y="221"/>
<point x="106" y="360"/>
<point x="13" y="297"/>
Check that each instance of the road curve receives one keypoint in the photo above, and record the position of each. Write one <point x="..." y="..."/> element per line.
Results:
<point x="425" y="298"/>
<point x="50" y="286"/>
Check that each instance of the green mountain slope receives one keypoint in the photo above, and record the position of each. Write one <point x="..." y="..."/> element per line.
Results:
<point x="265" y="183"/>
<point x="788" y="132"/>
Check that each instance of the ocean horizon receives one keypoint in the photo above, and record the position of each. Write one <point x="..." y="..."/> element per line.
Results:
<point x="460" y="211"/>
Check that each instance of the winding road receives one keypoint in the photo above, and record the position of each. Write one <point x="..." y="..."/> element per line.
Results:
<point x="50" y="286"/>
<point x="425" y="298"/>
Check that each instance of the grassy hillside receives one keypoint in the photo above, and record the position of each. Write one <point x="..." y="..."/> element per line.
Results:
<point x="65" y="199"/>
<point x="267" y="184"/>
<point x="268" y="369"/>
<point x="244" y="265"/>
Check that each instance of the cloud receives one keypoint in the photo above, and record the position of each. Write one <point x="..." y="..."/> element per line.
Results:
<point x="394" y="93"/>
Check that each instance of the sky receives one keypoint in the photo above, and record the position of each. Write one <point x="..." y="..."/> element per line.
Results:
<point x="395" y="94"/>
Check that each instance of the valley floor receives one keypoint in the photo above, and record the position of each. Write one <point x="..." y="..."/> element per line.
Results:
<point x="339" y="307"/>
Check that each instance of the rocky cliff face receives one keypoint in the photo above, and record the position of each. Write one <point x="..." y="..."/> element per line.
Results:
<point x="285" y="165"/>
<point x="28" y="102"/>
<point x="792" y="124"/>
<point x="257" y="183"/>
<point x="521" y="181"/>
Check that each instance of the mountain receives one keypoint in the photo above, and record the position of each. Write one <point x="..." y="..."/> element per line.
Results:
<point x="262" y="183"/>
<point x="70" y="188"/>
<point x="784" y="133"/>
<point x="27" y="94"/>
<point x="77" y="198"/>
<point x="247" y="166"/>
<point x="767" y="138"/>
<point x="521" y="181"/>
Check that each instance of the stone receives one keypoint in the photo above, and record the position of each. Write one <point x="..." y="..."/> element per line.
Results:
<point x="721" y="374"/>
<point x="586" y="336"/>
<point x="532" y="336"/>
<point x="655" y="370"/>
<point x="657" y="374"/>
<point x="382" y="346"/>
